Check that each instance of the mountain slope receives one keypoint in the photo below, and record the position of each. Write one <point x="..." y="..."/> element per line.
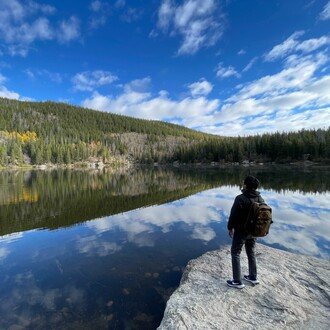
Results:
<point x="59" y="133"/>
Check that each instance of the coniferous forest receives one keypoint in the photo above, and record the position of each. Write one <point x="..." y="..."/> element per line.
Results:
<point x="58" y="133"/>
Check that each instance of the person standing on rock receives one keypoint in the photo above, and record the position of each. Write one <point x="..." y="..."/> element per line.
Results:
<point x="236" y="229"/>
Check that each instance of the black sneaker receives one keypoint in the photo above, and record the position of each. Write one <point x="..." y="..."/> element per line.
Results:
<point x="233" y="284"/>
<point x="251" y="279"/>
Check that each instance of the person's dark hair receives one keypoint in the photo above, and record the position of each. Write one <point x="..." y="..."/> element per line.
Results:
<point x="251" y="182"/>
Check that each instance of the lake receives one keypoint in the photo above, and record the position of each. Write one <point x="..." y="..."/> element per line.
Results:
<point x="95" y="249"/>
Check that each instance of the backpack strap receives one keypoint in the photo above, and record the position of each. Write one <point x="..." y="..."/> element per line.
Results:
<point x="252" y="200"/>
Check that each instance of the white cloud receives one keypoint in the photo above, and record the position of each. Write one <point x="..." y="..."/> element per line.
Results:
<point x="143" y="105"/>
<point x="292" y="44"/>
<point x="131" y="14"/>
<point x="69" y="30"/>
<point x="90" y="80"/>
<point x="2" y="78"/>
<point x="24" y="22"/>
<point x="198" y="22"/>
<point x="295" y="76"/>
<point x="250" y="64"/>
<point x="100" y="11"/>
<point x="138" y="85"/>
<point x="32" y="6"/>
<point x="201" y="87"/>
<point x="165" y="12"/>
<point x="310" y="45"/>
<point x="325" y="14"/>
<point x="284" y="48"/>
<point x="4" y="92"/>
<point x="226" y="72"/>
<point x="296" y="96"/>
<point x="241" y="52"/>
<point x="95" y="5"/>
<point x="52" y="76"/>
<point x="120" y="3"/>
<point x="30" y="74"/>
<point x="291" y="99"/>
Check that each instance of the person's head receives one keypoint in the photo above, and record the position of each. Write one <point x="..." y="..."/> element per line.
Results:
<point x="251" y="182"/>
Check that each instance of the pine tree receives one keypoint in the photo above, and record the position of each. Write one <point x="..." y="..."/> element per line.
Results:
<point x="3" y="154"/>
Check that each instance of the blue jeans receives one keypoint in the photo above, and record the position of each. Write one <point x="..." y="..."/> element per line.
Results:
<point x="239" y="240"/>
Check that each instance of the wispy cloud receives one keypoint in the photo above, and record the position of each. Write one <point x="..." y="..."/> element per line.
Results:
<point x="23" y="23"/>
<point x="90" y="80"/>
<point x="250" y="64"/>
<point x="293" y="98"/>
<point x="52" y="76"/>
<point x="226" y="72"/>
<point x="95" y="6"/>
<point x="296" y="96"/>
<point x="284" y="48"/>
<point x="131" y="14"/>
<point x="100" y="11"/>
<point x="325" y="14"/>
<point x="120" y="3"/>
<point x="292" y="44"/>
<point x="69" y="30"/>
<point x="295" y="76"/>
<point x="198" y="22"/>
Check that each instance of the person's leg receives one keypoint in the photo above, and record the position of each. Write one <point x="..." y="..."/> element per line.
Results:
<point x="236" y="249"/>
<point x="250" y="251"/>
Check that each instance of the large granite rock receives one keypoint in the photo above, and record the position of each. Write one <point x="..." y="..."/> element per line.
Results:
<point x="293" y="294"/>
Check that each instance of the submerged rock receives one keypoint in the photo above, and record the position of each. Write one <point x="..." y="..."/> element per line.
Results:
<point x="293" y="293"/>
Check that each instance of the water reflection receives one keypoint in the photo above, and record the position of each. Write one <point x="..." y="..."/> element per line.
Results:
<point x="301" y="221"/>
<point x="132" y="236"/>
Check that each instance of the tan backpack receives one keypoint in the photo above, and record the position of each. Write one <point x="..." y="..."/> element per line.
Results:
<point x="259" y="219"/>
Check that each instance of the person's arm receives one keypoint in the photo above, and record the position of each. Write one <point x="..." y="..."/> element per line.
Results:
<point x="234" y="214"/>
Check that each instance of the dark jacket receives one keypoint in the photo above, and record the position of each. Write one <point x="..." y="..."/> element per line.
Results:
<point x="240" y="209"/>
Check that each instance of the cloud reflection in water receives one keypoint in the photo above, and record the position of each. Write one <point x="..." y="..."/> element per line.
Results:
<point x="301" y="220"/>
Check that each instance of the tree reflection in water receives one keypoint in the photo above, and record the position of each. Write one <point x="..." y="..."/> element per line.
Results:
<point x="116" y="244"/>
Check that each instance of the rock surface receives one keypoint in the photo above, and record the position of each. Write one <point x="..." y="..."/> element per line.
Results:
<point x="293" y="294"/>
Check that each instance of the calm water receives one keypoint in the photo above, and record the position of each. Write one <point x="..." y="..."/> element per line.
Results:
<point x="100" y="250"/>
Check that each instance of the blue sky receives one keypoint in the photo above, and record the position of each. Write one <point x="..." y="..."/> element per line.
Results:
<point x="228" y="67"/>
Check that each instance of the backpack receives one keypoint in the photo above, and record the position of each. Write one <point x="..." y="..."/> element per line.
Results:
<point x="259" y="219"/>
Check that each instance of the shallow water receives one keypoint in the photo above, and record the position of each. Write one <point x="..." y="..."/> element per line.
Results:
<point x="83" y="249"/>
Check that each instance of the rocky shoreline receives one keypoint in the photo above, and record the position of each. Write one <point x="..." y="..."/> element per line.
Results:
<point x="294" y="293"/>
<point x="125" y="163"/>
<point x="119" y="163"/>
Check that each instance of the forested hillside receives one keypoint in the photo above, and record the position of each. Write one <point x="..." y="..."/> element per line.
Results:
<point x="304" y="145"/>
<point x="58" y="133"/>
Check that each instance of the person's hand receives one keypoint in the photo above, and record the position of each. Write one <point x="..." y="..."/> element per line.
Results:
<point x="231" y="233"/>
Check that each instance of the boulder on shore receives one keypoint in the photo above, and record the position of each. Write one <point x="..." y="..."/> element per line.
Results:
<point x="294" y="293"/>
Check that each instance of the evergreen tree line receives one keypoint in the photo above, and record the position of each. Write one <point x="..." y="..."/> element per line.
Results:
<point x="48" y="132"/>
<point x="15" y="152"/>
<point x="74" y="124"/>
<point x="278" y="147"/>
